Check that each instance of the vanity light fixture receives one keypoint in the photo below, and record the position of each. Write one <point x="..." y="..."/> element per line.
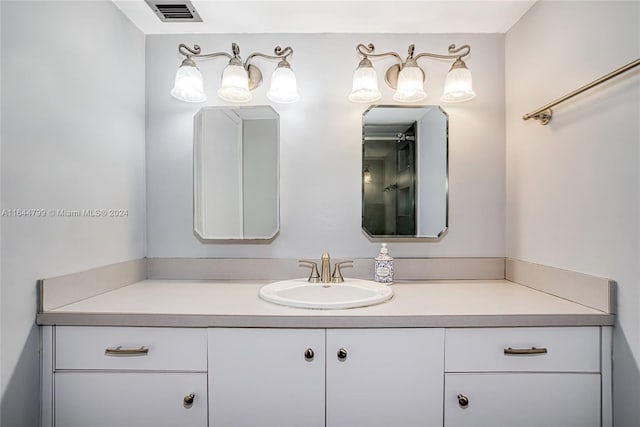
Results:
<point x="407" y="78"/>
<point x="238" y="78"/>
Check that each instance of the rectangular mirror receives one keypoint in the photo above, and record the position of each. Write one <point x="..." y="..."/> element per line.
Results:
<point x="236" y="173"/>
<point x="405" y="187"/>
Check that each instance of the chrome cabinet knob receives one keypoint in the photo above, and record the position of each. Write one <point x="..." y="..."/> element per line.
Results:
<point x="309" y="354"/>
<point x="342" y="355"/>
<point x="188" y="400"/>
<point x="463" y="401"/>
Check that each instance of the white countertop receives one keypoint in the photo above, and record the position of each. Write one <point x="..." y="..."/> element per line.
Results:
<point x="455" y="303"/>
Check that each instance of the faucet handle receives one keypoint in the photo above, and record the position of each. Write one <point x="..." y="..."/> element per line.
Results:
<point x="336" y="277"/>
<point x="314" y="277"/>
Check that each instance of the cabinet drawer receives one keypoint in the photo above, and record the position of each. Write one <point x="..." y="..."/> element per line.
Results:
<point x="131" y="399"/>
<point x="575" y="349"/>
<point x="122" y="348"/>
<point x="522" y="400"/>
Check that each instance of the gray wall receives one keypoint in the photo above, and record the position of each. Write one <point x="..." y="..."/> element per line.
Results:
<point x="73" y="118"/>
<point x="321" y="147"/>
<point x="573" y="187"/>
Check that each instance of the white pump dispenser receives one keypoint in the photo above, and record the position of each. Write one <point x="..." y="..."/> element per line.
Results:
<point x="383" y="271"/>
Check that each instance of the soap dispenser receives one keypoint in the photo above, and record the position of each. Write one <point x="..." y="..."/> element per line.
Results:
<point x="383" y="266"/>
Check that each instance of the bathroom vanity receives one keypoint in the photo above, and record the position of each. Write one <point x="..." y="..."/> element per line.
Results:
<point x="439" y="353"/>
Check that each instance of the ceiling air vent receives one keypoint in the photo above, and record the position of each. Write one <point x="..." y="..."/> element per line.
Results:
<point x="174" y="11"/>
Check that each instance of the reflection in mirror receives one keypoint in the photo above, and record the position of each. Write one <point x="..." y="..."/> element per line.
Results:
<point x="405" y="171"/>
<point x="236" y="173"/>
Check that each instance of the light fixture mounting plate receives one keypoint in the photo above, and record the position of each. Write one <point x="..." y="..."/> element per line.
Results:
<point x="255" y="76"/>
<point x="391" y="76"/>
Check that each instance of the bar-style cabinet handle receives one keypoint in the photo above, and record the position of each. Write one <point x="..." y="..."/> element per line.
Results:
<point x="122" y="351"/>
<point x="532" y="350"/>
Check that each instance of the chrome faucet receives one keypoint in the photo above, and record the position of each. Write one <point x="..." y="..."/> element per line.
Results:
<point x="325" y="275"/>
<point x="325" y="270"/>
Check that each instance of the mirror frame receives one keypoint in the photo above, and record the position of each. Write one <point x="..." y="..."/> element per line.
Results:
<point x="399" y="238"/>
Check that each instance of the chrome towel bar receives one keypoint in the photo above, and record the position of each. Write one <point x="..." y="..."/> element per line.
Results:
<point x="544" y="114"/>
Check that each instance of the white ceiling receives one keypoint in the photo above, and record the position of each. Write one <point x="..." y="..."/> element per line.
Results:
<point x="354" y="16"/>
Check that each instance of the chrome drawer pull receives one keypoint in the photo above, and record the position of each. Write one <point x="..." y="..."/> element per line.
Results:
<point x="532" y="350"/>
<point x="120" y="351"/>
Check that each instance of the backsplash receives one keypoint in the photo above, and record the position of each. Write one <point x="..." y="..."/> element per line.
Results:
<point x="283" y="268"/>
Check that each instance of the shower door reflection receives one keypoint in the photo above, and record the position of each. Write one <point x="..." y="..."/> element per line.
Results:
<point x="405" y="172"/>
<point x="389" y="190"/>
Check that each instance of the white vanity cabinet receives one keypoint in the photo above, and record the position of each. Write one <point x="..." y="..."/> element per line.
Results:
<point x="119" y="376"/>
<point x="295" y="377"/>
<point x="523" y="377"/>
<point x="370" y="377"/>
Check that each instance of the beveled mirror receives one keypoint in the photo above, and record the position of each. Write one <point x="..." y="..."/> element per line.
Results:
<point x="405" y="187"/>
<point x="236" y="173"/>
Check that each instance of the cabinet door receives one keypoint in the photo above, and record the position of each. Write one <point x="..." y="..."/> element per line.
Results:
<point x="263" y="378"/>
<point x="385" y="377"/>
<point x="131" y="399"/>
<point x="523" y="400"/>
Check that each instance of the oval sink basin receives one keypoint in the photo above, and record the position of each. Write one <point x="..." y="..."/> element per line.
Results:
<point x="349" y="294"/>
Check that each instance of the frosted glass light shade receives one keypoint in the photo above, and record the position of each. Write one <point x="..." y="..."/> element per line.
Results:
<point x="365" y="85"/>
<point x="188" y="85"/>
<point x="235" y="84"/>
<point x="410" y="85"/>
<point x="283" y="88"/>
<point x="458" y="86"/>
